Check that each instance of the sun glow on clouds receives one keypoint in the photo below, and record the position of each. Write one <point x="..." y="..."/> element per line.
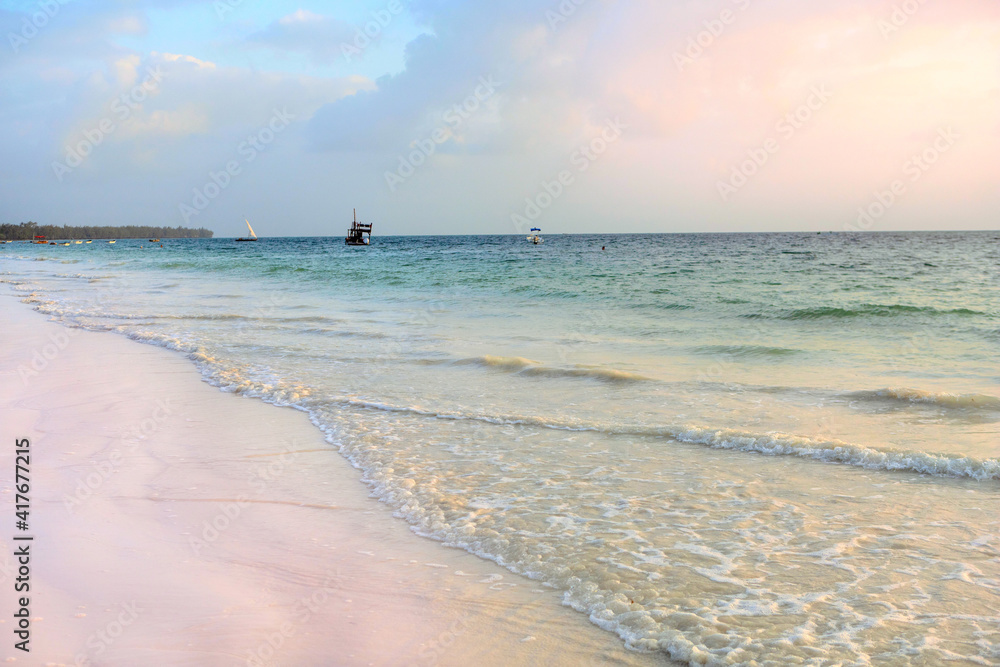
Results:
<point x="300" y="16"/>
<point x="688" y="125"/>
<point x="889" y="98"/>
<point x="174" y="57"/>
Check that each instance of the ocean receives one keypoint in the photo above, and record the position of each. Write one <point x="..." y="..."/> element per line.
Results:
<point x="779" y="448"/>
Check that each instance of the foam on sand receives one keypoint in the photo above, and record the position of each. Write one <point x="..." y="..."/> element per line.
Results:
<point x="233" y="529"/>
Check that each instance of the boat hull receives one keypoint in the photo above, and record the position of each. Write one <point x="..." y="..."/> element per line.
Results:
<point x="359" y="234"/>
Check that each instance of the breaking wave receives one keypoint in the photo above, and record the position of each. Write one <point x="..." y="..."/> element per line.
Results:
<point x="942" y="399"/>
<point x="861" y="311"/>
<point x="770" y="444"/>
<point x="529" y="368"/>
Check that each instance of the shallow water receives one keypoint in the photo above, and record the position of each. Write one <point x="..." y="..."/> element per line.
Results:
<point x="771" y="447"/>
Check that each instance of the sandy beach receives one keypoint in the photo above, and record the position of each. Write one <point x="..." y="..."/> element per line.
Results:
<point x="176" y="524"/>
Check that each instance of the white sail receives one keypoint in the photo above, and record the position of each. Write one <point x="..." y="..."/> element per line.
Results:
<point x="251" y="229"/>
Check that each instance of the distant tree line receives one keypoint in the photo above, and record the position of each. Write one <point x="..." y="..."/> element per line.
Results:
<point x="28" y="230"/>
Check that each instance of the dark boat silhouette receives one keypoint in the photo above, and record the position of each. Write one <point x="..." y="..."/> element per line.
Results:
<point x="356" y="235"/>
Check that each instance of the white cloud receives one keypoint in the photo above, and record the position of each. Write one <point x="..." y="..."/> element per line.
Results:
<point x="175" y="58"/>
<point x="317" y="37"/>
<point x="558" y="86"/>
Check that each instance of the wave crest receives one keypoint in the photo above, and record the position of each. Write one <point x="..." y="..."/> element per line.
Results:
<point x="864" y="310"/>
<point x="943" y="399"/>
<point x="504" y="363"/>
<point x="746" y="350"/>
<point x="770" y="444"/>
<point x="530" y="368"/>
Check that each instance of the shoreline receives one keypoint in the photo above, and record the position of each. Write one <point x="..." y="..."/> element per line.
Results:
<point x="179" y="524"/>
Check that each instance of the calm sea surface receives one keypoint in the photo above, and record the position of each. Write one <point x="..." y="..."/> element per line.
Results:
<point x="771" y="447"/>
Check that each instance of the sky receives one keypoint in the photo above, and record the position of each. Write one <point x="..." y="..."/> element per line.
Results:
<point x="460" y="117"/>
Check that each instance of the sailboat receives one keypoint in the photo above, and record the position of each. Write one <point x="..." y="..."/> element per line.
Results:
<point x="534" y="237"/>
<point x="252" y="237"/>
<point x="356" y="234"/>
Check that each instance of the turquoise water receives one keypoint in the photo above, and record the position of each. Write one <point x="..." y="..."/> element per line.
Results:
<point x="778" y="448"/>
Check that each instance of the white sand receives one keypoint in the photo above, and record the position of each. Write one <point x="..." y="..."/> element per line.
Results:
<point x="303" y="568"/>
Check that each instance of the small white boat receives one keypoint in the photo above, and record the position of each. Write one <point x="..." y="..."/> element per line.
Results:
<point x="534" y="237"/>
<point x="112" y="241"/>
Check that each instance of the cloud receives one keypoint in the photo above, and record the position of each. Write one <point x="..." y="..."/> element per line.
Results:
<point x="175" y="58"/>
<point x="563" y="70"/>
<point x="539" y="98"/>
<point x="167" y="116"/>
<point x="564" y="75"/>
<point x="67" y="31"/>
<point x="320" y="38"/>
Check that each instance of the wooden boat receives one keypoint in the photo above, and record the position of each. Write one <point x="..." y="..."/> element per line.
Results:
<point x="154" y="240"/>
<point x="356" y="234"/>
<point x="89" y="241"/>
<point x="40" y="240"/>
<point x="78" y="242"/>
<point x="111" y="241"/>
<point x="252" y="237"/>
